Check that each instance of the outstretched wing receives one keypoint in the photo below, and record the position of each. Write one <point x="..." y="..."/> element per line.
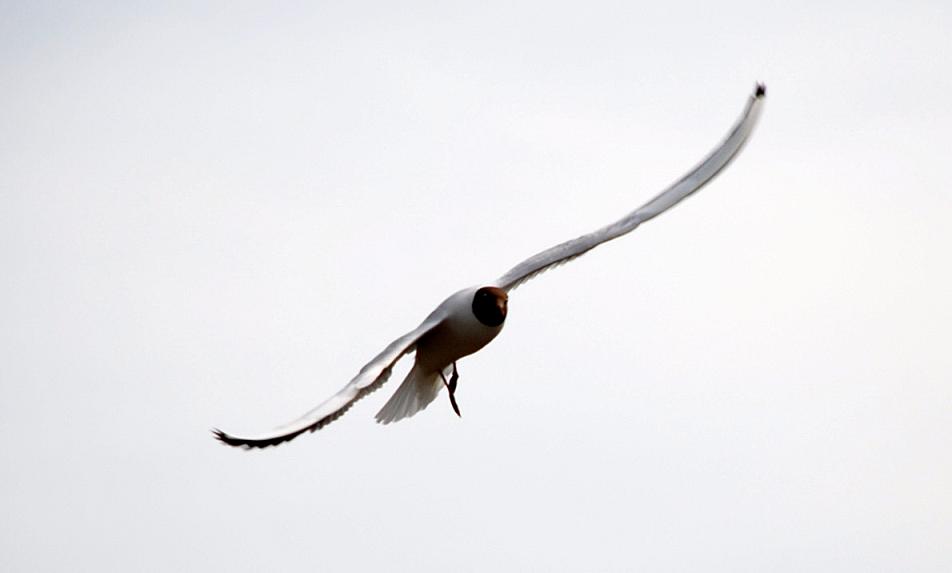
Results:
<point x="716" y="161"/>
<point x="370" y="377"/>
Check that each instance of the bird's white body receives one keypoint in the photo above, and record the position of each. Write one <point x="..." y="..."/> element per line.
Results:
<point x="471" y="318"/>
<point x="458" y="334"/>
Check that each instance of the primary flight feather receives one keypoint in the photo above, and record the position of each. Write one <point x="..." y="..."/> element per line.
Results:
<point x="469" y="319"/>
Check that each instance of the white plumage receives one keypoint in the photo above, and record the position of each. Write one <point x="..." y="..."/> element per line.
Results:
<point x="469" y="319"/>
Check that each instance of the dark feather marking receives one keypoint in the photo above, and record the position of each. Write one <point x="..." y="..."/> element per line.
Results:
<point x="249" y="444"/>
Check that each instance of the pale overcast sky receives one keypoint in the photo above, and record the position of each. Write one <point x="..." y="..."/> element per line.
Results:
<point x="213" y="214"/>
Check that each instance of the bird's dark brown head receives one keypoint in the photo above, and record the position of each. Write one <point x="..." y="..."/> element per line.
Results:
<point x="490" y="306"/>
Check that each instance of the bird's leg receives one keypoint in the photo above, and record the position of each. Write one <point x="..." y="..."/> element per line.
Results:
<point x="451" y="387"/>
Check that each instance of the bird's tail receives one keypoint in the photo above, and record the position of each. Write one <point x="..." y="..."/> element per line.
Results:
<point x="416" y="392"/>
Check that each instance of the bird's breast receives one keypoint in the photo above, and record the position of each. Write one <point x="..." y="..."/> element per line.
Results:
<point x="459" y="335"/>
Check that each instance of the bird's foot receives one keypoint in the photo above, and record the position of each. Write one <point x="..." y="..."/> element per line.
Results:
<point x="451" y="387"/>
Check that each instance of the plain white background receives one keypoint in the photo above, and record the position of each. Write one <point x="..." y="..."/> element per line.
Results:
<point x="212" y="214"/>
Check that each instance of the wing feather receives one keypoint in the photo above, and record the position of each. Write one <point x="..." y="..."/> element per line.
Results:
<point x="694" y="180"/>
<point x="371" y="377"/>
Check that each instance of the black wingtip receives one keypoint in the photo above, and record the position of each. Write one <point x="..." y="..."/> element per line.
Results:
<point x="230" y="440"/>
<point x="225" y="438"/>
<point x="251" y="444"/>
<point x="760" y="91"/>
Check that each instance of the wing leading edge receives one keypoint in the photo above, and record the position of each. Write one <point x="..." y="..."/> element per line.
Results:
<point x="371" y="377"/>
<point x="694" y="180"/>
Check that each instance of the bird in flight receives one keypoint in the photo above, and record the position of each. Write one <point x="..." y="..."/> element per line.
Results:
<point x="469" y="319"/>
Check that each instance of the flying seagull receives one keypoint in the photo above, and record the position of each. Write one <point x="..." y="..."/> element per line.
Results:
<point x="469" y="319"/>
